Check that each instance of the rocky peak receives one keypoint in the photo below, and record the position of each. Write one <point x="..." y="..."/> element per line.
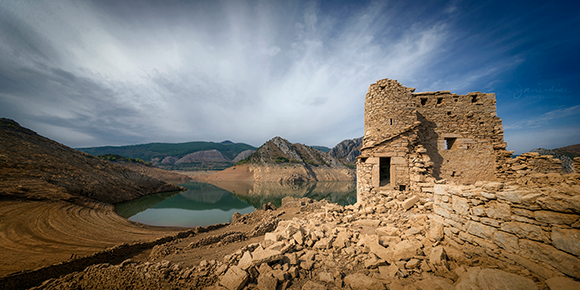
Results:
<point x="279" y="150"/>
<point x="347" y="150"/>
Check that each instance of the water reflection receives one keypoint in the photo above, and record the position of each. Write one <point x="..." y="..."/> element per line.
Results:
<point x="204" y="204"/>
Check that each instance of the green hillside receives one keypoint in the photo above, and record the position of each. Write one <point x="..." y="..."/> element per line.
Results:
<point x="149" y="151"/>
<point x="321" y="148"/>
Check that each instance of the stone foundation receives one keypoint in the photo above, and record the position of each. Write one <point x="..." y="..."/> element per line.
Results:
<point x="538" y="228"/>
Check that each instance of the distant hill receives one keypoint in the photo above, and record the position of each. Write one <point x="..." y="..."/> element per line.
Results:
<point x="170" y="155"/>
<point x="347" y="150"/>
<point x="321" y="148"/>
<point x="570" y="151"/>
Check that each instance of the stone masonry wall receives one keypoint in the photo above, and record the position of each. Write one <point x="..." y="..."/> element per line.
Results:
<point x="530" y="163"/>
<point x="470" y="123"/>
<point x="538" y="228"/>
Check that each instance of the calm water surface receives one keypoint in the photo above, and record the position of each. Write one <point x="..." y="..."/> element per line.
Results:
<point x="205" y="204"/>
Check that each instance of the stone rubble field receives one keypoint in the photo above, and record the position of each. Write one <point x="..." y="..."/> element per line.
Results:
<point x="389" y="241"/>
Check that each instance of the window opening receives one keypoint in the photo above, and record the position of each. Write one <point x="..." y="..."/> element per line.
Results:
<point x="449" y="142"/>
<point x="385" y="170"/>
<point x="423" y="101"/>
<point x="439" y="101"/>
<point x="390" y="121"/>
<point x="448" y="113"/>
<point x="473" y="99"/>
<point x="402" y="187"/>
<point x="363" y="160"/>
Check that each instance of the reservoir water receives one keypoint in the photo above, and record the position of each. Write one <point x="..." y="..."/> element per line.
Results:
<point x="205" y="204"/>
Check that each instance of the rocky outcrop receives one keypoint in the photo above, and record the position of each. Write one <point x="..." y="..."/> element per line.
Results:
<point x="347" y="150"/>
<point x="243" y="155"/>
<point x="281" y="161"/>
<point x="203" y="156"/>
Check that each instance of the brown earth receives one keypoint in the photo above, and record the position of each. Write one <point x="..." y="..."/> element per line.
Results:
<point x="55" y="202"/>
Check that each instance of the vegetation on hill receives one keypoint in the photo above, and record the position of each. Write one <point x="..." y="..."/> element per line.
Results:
<point x="117" y="157"/>
<point x="160" y="150"/>
<point x="570" y="151"/>
<point x="321" y="148"/>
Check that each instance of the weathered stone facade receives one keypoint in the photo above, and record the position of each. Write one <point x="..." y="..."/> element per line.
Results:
<point x="414" y="139"/>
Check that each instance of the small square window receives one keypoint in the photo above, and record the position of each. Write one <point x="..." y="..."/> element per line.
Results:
<point x="423" y="101"/>
<point x="449" y="142"/>
<point x="439" y="101"/>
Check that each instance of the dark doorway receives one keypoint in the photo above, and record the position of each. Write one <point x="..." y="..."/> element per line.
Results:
<point x="385" y="170"/>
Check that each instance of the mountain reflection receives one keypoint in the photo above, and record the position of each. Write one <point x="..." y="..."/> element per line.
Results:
<point x="204" y="203"/>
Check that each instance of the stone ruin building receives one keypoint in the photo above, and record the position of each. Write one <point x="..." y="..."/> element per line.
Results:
<point x="445" y="153"/>
<point x="413" y="140"/>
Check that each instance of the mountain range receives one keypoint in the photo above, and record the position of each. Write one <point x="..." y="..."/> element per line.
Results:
<point x="201" y="155"/>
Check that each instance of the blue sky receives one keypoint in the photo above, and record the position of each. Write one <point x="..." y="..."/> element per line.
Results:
<point x="92" y="73"/>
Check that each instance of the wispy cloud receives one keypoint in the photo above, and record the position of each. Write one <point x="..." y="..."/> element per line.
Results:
<point x="545" y="118"/>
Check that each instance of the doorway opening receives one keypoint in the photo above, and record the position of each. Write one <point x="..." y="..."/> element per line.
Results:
<point x="385" y="170"/>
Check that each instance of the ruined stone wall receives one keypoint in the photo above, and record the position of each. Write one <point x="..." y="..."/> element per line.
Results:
<point x="528" y="164"/>
<point x="471" y="127"/>
<point x="538" y="228"/>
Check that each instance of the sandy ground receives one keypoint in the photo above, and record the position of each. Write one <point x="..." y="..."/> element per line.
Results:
<point x="35" y="234"/>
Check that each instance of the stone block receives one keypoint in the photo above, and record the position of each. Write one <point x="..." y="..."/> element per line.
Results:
<point x="539" y="270"/>
<point x="440" y="189"/>
<point x="298" y="238"/>
<point x="563" y="262"/>
<point x="480" y="230"/>
<point x="500" y="280"/>
<point x="506" y="241"/>
<point x="441" y="211"/>
<point x="311" y="285"/>
<point x="234" y="279"/>
<point x="405" y="250"/>
<point x="562" y="283"/>
<point x="555" y="218"/>
<point x="560" y="203"/>
<point x="511" y="196"/>
<point x="410" y="202"/>
<point x="567" y="240"/>
<point x="267" y="282"/>
<point x="478" y="210"/>
<point x="460" y="205"/>
<point x="437" y="255"/>
<point x="436" y="231"/>
<point x="525" y="231"/>
<point x="245" y="261"/>
<point x="387" y="231"/>
<point x="265" y="256"/>
<point x="489" y="222"/>
<point x="498" y="210"/>
<point x="325" y="277"/>
<point x="359" y="281"/>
